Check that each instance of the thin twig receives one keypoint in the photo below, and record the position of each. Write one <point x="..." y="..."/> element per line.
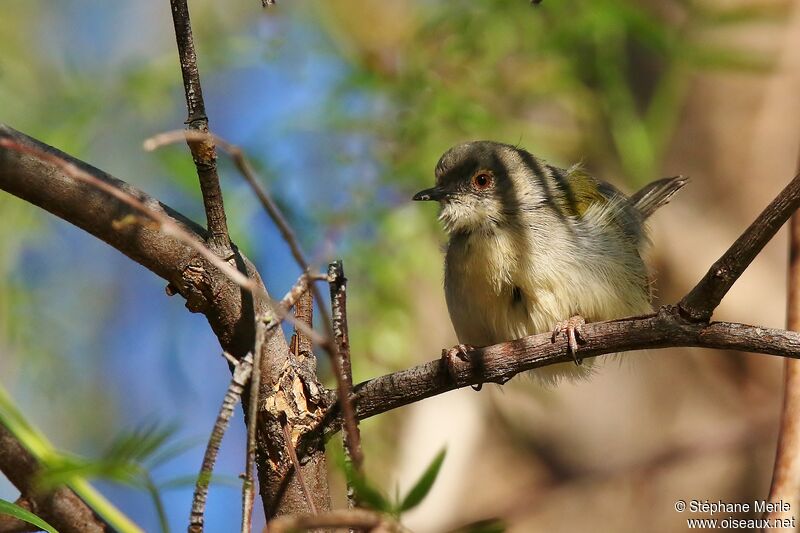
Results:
<point x="248" y="486"/>
<point x="203" y="151"/>
<point x="166" y="225"/>
<point x="700" y="303"/>
<point x="241" y="374"/>
<point x="340" y="519"/>
<point x="786" y="473"/>
<point x="287" y="437"/>
<point x="352" y="441"/>
<point x="249" y="174"/>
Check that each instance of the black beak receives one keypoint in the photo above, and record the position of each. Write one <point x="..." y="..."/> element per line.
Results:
<point x="434" y="193"/>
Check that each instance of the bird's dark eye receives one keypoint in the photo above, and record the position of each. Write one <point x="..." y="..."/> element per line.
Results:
<point x="482" y="181"/>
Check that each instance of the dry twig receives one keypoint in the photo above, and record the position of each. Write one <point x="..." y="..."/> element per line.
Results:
<point x="338" y="287"/>
<point x="203" y="151"/>
<point x="704" y="298"/>
<point x="287" y="437"/>
<point x="241" y="374"/>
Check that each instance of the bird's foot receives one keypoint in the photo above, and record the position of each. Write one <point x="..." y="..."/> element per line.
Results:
<point x="572" y="328"/>
<point x="459" y="351"/>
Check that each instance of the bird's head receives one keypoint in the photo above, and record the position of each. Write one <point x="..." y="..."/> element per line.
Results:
<point x="481" y="185"/>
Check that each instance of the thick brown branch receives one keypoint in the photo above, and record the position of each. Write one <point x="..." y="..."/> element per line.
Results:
<point x="46" y="185"/>
<point x="203" y="151"/>
<point x="62" y="508"/>
<point x="501" y="362"/>
<point x="149" y="216"/>
<point x="700" y="303"/>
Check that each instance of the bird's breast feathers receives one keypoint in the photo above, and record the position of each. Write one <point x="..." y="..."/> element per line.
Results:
<point x="500" y="288"/>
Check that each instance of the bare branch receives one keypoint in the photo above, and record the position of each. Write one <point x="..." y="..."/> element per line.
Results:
<point x="501" y="362"/>
<point x="230" y="310"/>
<point x="248" y="485"/>
<point x="203" y="151"/>
<point x="62" y="508"/>
<point x="350" y="435"/>
<point x="241" y="373"/>
<point x="303" y="340"/>
<point x="339" y="519"/>
<point x="247" y="172"/>
<point x="166" y="225"/>
<point x="274" y="212"/>
<point x="700" y="303"/>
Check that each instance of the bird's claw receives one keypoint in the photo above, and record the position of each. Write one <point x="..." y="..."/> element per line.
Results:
<point x="572" y="328"/>
<point x="459" y="351"/>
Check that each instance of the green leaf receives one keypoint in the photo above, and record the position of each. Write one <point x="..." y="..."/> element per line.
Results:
<point x="423" y="486"/>
<point x="12" y="509"/>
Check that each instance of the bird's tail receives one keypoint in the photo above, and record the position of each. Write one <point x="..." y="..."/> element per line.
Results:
<point x="654" y="195"/>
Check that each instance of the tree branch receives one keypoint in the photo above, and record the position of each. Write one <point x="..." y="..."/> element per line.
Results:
<point x="208" y="291"/>
<point x="62" y="508"/>
<point x="684" y="324"/>
<point x="244" y="167"/>
<point x="501" y="362"/>
<point x="230" y="310"/>
<point x="203" y="150"/>
<point x="351" y="434"/>
<point x="700" y="303"/>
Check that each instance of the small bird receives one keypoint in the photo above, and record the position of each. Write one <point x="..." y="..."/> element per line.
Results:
<point x="535" y="248"/>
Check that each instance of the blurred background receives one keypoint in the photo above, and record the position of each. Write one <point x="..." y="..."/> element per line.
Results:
<point x="345" y="107"/>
